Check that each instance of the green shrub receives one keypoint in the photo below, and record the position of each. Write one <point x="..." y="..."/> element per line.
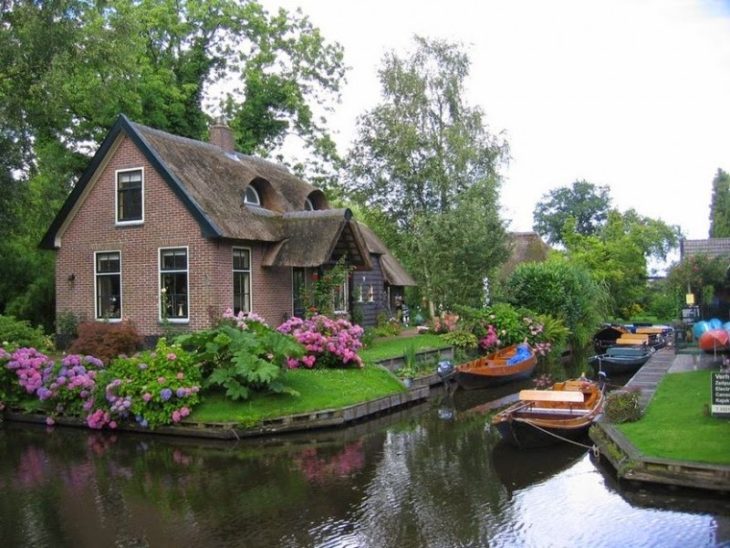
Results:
<point x="622" y="406"/>
<point x="368" y="337"/>
<point x="19" y="334"/>
<point x="67" y="324"/>
<point x="461" y="339"/>
<point x="241" y="361"/>
<point x="563" y="290"/>
<point x="106" y="340"/>
<point x="386" y="327"/>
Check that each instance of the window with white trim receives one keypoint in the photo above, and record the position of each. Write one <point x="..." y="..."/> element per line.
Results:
<point x="108" y="285"/>
<point x="241" y="280"/>
<point x="340" y="298"/>
<point x="174" y="284"/>
<point x="251" y="196"/>
<point x="130" y="196"/>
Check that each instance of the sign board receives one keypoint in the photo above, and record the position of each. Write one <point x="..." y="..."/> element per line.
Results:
<point x="720" y="395"/>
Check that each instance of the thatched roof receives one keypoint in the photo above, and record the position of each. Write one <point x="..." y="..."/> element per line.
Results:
<point x="315" y="238"/>
<point x="211" y="181"/>
<point x="393" y="271"/>
<point x="526" y="247"/>
<point x="216" y="181"/>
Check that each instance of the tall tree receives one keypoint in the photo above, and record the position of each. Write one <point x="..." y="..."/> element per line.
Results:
<point x="585" y="202"/>
<point x="69" y="67"/>
<point x="427" y="160"/>
<point x="617" y="256"/>
<point x="720" y="206"/>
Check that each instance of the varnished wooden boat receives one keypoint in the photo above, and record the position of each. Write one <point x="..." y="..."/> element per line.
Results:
<point x="544" y="417"/>
<point x="508" y="364"/>
<point x="622" y="359"/>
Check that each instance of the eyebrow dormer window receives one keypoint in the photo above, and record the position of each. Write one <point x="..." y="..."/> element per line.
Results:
<point x="251" y="196"/>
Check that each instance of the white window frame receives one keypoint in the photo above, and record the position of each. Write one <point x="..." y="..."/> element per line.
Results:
<point x="256" y="192"/>
<point x="117" y="222"/>
<point x="173" y="319"/>
<point x="97" y="316"/>
<point x="250" y="276"/>
<point x="345" y="285"/>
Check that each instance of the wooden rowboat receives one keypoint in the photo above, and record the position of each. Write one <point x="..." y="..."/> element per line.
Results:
<point x="544" y="417"/>
<point x="508" y="364"/>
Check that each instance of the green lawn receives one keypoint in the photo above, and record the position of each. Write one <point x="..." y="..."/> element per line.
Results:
<point x="319" y="389"/>
<point x="676" y="424"/>
<point x="393" y="347"/>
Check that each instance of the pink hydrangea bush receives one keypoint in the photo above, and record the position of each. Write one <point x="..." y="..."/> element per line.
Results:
<point x="490" y="341"/>
<point x="329" y="343"/>
<point x="63" y="387"/>
<point x="70" y="384"/>
<point x="446" y="323"/>
<point x="28" y="364"/>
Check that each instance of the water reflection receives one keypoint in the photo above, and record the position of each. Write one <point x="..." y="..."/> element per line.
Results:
<point x="412" y="479"/>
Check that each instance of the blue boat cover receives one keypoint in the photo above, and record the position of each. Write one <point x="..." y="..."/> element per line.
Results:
<point x="523" y="352"/>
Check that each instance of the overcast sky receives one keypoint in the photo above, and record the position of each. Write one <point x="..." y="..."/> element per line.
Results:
<point x="631" y="94"/>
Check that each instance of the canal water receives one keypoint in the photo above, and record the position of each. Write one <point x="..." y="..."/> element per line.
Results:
<point x="433" y="475"/>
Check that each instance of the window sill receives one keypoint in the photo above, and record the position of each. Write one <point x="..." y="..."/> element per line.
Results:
<point x="122" y="224"/>
<point x="175" y="321"/>
<point x="108" y="320"/>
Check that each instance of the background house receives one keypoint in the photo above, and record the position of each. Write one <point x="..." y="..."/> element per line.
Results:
<point x="526" y="247"/>
<point x="162" y="228"/>
<point x="711" y="248"/>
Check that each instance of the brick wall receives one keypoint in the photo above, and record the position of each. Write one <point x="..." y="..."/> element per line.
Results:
<point x="166" y="224"/>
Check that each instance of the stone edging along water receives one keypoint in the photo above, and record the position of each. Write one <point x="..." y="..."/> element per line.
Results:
<point x="631" y="464"/>
<point x="326" y="418"/>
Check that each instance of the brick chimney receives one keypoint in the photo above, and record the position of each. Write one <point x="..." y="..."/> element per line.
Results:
<point x="222" y="136"/>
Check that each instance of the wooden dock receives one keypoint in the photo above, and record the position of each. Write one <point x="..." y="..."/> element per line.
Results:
<point x="630" y="463"/>
<point x="647" y="378"/>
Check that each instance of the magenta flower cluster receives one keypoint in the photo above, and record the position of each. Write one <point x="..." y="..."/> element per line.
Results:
<point x="329" y="343"/>
<point x="29" y="365"/>
<point x="490" y="340"/>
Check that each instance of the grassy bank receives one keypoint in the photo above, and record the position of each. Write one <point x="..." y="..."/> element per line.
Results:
<point x="319" y="389"/>
<point x="677" y="424"/>
<point x="391" y="348"/>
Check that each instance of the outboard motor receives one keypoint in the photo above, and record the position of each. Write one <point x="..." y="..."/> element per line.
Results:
<point x="445" y="369"/>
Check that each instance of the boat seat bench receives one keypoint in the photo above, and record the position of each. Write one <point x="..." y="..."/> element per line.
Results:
<point x="570" y="396"/>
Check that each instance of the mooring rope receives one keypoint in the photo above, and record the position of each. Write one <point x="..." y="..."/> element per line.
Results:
<point x="583" y="445"/>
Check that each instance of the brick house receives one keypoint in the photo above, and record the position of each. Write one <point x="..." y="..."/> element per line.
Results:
<point x="162" y="228"/>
